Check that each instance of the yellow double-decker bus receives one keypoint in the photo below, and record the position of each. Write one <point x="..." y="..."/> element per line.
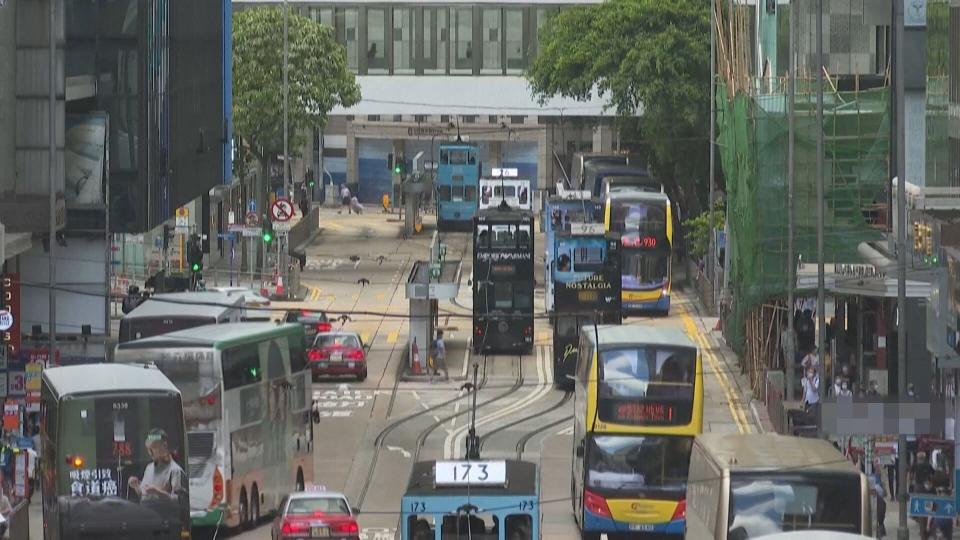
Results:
<point x="638" y="407"/>
<point x="644" y="222"/>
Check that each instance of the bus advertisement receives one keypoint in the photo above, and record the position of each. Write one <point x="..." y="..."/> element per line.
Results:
<point x="638" y="406"/>
<point x="113" y="454"/>
<point x="246" y="401"/>
<point x="586" y="278"/>
<point x="559" y="212"/>
<point x="644" y="222"/>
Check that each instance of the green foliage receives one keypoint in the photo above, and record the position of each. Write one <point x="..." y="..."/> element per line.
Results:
<point x="645" y="56"/>
<point x="698" y="229"/>
<point x="318" y="78"/>
<point x="938" y="40"/>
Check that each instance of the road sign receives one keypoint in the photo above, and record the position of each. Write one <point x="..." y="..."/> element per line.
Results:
<point x="183" y="218"/>
<point x="932" y="506"/>
<point x="6" y="320"/>
<point x="281" y="210"/>
<point x="251" y="219"/>
<point x="282" y="227"/>
<point x="252" y="232"/>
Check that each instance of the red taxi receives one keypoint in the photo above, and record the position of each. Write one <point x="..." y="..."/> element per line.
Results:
<point x="315" y="513"/>
<point x="338" y="353"/>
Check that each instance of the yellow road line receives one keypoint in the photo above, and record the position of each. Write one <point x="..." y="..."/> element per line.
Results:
<point x="733" y="402"/>
<point x="365" y="336"/>
<point x="381" y="296"/>
<point x="392" y="336"/>
<point x="543" y="337"/>
<point x="356" y="296"/>
<point x="333" y="225"/>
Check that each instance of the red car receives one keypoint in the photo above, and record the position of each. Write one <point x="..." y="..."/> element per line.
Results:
<point x="338" y="354"/>
<point x="310" y="514"/>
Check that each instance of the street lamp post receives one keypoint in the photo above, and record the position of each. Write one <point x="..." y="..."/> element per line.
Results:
<point x="282" y="247"/>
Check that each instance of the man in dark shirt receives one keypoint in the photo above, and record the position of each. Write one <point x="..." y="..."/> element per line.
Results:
<point x="920" y="472"/>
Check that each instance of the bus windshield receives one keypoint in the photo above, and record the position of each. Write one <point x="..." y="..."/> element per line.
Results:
<point x="125" y="447"/>
<point x="654" y="467"/>
<point x="647" y="385"/>
<point x="643" y="269"/>
<point x="762" y="504"/>
<point x="640" y="217"/>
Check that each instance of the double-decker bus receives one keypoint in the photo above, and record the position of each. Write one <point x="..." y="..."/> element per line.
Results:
<point x="586" y="284"/>
<point x="246" y="400"/>
<point x="638" y="406"/>
<point x="169" y="312"/>
<point x="582" y="159"/>
<point x="503" y="280"/>
<point x="644" y="222"/>
<point x="107" y="432"/>
<point x="558" y="213"/>
<point x="458" y="178"/>
<point x="597" y="175"/>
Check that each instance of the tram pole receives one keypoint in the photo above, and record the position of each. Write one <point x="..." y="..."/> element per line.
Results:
<point x="473" y="442"/>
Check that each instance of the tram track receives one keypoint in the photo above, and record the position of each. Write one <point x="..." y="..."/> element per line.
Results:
<point x="563" y="401"/>
<point x="380" y="441"/>
<point x="522" y="443"/>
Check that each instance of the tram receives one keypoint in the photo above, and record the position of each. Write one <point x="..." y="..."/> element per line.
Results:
<point x="489" y="499"/>
<point x="558" y="213"/>
<point x="458" y="179"/>
<point x="503" y="281"/>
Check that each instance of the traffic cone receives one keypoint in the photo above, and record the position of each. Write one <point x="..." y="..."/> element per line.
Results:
<point x="280" y="286"/>
<point x="415" y="354"/>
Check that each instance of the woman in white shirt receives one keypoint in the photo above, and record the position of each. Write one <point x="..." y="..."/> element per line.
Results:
<point x="811" y="389"/>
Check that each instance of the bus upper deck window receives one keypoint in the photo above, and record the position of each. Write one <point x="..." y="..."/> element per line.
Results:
<point x="444" y="157"/>
<point x="523" y="235"/>
<point x="470" y="193"/>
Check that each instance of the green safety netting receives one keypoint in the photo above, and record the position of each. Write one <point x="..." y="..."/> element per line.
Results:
<point x="753" y="149"/>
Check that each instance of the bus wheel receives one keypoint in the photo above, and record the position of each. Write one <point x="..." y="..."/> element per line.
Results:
<point x="244" y="509"/>
<point x="299" y="484"/>
<point x="255" y="506"/>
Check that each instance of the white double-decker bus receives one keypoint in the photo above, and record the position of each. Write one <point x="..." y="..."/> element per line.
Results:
<point x="246" y="401"/>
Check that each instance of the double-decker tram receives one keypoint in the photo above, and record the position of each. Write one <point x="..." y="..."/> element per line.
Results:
<point x="483" y="499"/>
<point x="644" y="222"/>
<point x="503" y="280"/>
<point x="559" y="212"/>
<point x="638" y="406"/>
<point x="246" y="402"/>
<point x="112" y="454"/>
<point x="585" y="273"/>
<point x="458" y="179"/>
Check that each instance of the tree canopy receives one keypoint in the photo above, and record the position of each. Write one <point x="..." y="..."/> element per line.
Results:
<point x="318" y="78"/>
<point x="648" y="57"/>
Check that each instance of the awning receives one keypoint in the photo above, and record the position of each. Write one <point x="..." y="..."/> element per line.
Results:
<point x="855" y="279"/>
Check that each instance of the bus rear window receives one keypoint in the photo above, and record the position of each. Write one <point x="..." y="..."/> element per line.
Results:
<point x="767" y="504"/>
<point x="140" y="328"/>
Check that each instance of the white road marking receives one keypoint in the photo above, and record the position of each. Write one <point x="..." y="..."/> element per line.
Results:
<point x="466" y="358"/>
<point x="403" y="452"/>
<point x="566" y="431"/>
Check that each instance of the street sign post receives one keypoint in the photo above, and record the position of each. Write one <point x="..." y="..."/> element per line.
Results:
<point x="932" y="506"/>
<point x="183" y="219"/>
<point x="6" y="320"/>
<point x="251" y="219"/>
<point x="281" y="210"/>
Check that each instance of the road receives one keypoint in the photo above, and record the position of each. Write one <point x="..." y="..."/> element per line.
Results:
<point x="371" y="432"/>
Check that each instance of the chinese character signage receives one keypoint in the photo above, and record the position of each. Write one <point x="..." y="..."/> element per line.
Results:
<point x="93" y="483"/>
<point x="11" y="303"/>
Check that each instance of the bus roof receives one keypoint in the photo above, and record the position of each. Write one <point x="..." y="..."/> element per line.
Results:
<point x="645" y="196"/>
<point x="615" y="335"/>
<point x="187" y="304"/>
<point x="214" y="335"/>
<point x="521" y="480"/>
<point x="765" y="451"/>
<point x="96" y="378"/>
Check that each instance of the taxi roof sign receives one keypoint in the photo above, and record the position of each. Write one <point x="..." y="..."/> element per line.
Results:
<point x="316" y="488"/>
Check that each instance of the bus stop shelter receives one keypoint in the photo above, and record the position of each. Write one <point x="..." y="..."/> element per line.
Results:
<point x="428" y="283"/>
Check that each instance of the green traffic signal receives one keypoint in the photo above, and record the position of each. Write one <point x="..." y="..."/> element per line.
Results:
<point x="396" y="169"/>
<point x="267" y="237"/>
<point x="195" y="267"/>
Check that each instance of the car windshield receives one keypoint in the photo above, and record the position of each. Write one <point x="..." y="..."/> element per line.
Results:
<point x="346" y="341"/>
<point x="326" y="505"/>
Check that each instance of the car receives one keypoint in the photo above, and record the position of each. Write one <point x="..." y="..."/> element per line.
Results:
<point x="338" y="353"/>
<point x="253" y="302"/>
<point x="313" y="321"/>
<point x="315" y="513"/>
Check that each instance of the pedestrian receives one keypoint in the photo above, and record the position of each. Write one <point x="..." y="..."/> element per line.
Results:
<point x="811" y="360"/>
<point x="920" y="472"/>
<point x="304" y="201"/>
<point x="439" y="355"/>
<point x="344" y="198"/>
<point x="355" y="206"/>
<point x="876" y="481"/>
<point x="811" y="389"/>
<point x="893" y="473"/>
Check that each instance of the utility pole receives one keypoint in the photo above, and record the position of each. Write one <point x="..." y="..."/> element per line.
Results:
<point x="899" y="136"/>
<point x="712" y="255"/>
<point x="287" y="183"/>
<point x="52" y="236"/>
<point x="790" y="353"/>
<point x="821" y="301"/>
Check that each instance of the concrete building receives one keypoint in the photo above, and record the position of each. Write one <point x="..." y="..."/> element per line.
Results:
<point x="431" y="70"/>
<point x="954" y="133"/>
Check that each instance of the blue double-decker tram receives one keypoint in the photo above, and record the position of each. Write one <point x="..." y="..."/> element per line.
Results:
<point x="586" y="278"/>
<point x="483" y="499"/>
<point x="558" y="213"/>
<point x="503" y="280"/>
<point x="458" y="181"/>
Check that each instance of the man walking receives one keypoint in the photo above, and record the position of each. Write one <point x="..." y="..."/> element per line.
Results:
<point x="344" y="198"/>
<point x="439" y="355"/>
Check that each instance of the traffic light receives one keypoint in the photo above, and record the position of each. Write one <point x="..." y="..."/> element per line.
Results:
<point x="310" y="179"/>
<point x="399" y="165"/>
<point x="195" y="255"/>
<point x="167" y="236"/>
<point x="267" y="232"/>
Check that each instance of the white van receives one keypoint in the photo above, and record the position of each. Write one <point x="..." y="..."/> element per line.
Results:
<point x="748" y="486"/>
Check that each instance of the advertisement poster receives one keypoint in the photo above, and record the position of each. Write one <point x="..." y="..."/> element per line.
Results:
<point x="32" y="383"/>
<point x="85" y="154"/>
<point x="17" y="384"/>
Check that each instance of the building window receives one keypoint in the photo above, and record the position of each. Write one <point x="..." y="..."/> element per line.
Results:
<point x="376" y="40"/>
<point x="403" y="42"/>
<point x="419" y="118"/>
<point x="444" y="118"/>
<point x="398" y="118"/>
<point x="513" y="36"/>
<point x="517" y="119"/>
<point x="463" y="40"/>
<point x="490" y="30"/>
<point x="436" y="39"/>
<point x="469" y="119"/>
<point x="346" y="22"/>
<point x="543" y="14"/>
<point x="373" y="117"/>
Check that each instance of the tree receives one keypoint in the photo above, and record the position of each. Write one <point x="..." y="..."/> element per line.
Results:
<point x="318" y="79"/>
<point x="698" y="230"/>
<point x="646" y="56"/>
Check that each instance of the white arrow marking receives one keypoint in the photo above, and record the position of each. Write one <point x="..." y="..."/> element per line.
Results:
<point x="566" y="431"/>
<point x="403" y="452"/>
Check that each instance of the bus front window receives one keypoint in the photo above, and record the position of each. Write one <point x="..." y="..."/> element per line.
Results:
<point x="647" y="386"/>
<point x="644" y="269"/>
<point x="767" y="504"/>
<point x="654" y="467"/>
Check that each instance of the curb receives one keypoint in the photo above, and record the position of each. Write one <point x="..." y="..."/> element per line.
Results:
<point x="762" y="425"/>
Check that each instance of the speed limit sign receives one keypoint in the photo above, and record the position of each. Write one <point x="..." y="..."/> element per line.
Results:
<point x="6" y="320"/>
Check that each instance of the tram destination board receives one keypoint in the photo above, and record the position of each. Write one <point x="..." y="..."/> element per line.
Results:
<point x="477" y="473"/>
